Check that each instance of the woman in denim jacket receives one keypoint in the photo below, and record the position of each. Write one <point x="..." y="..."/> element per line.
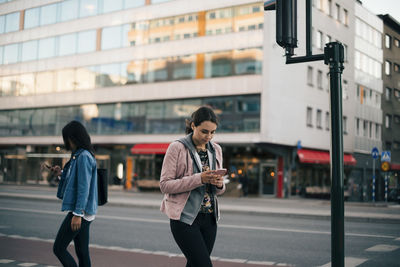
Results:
<point x="191" y="185"/>
<point x="78" y="191"/>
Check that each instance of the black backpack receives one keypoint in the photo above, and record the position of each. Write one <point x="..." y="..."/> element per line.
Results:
<point x="102" y="186"/>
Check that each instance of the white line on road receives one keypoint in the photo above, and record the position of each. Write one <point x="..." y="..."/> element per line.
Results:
<point x="5" y="261"/>
<point x="349" y="262"/>
<point x="382" y="248"/>
<point x="230" y="226"/>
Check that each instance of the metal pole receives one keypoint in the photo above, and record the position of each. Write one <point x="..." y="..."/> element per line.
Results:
<point x="308" y="28"/>
<point x="386" y="187"/>
<point x="373" y="180"/>
<point x="334" y="56"/>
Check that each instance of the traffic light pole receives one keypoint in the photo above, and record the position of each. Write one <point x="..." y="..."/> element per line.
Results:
<point x="334" y="57"/>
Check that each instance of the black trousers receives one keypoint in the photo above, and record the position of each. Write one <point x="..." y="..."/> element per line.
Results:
<point x="81" y="240"/>
<point x="196" y="241"/>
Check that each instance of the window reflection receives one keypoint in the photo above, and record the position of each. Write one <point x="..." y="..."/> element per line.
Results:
<point x="44" y="82"/>
<point x="218" y="64"/>
<point x="27" y="84"/>
<point x="157" y="70"/>
<point x="48" y="14"/>
<point x="67" y="44"/>
<point x="9" y="85"/>
<point x="113" y="5"/>
<point x="11" y="53"/>
<point x="12" y="22"/>
<point x="29" y="50"/>
<point x="87" y="8"/>
<point x="2" y="24"/>
<point x="31" y="18"/>
<point x="109" y="75"/>
<point x="65" y="80"/>
<point x="47" y="47"/>
<point x="111" y="37"/>
<point x="132" y="72"/>
<point x="184" y="67"/>
<point x="86" y="41"/>
<point x="138" y="33"/>
<point x="134" y="3"/>
<point x="85" y="78"/>
<point x="69" y="10"/>
<point x="236" y="113"/>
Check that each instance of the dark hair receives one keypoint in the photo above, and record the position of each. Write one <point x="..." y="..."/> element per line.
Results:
<point x="77" y="133"/>
<point x="200" y="115"/>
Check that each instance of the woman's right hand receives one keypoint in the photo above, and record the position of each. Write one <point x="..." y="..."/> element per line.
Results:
<point x="208" y="176"/>
<point x="55" y="170"/>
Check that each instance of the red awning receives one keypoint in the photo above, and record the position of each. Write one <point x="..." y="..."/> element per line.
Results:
<point x="322" y="157"/>
<point x="149" y="148"/>
<point x="395" y="166"/>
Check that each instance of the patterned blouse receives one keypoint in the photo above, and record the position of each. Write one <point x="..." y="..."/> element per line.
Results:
<point x="207" y="206"/>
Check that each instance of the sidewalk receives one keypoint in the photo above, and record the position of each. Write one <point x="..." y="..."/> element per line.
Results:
<point x="292" y="207"/>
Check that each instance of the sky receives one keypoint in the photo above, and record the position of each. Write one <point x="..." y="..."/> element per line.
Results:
<point x="391" y="7"/>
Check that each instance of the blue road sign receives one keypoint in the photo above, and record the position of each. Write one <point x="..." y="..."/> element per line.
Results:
<point x="386" y="156"/>
<point x="375" y="153"/>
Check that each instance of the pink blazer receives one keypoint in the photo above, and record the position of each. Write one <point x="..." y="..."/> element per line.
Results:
<point x="177" y="178"/>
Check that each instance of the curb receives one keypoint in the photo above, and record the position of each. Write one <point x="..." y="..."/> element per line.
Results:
<point x="225" y="209"/>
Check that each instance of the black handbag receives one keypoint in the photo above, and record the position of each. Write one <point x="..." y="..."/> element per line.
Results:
<point x="102" y="186"/>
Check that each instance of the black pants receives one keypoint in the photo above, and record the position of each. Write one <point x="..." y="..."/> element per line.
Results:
<point x="81" y="240"/>
<point x="197" y="240"/>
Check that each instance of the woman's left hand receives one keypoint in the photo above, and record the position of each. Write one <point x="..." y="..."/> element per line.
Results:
<point x="218" y="181"/>
<point x="76" y="223"/>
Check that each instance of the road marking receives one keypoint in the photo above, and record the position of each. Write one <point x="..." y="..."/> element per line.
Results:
<point x="142" y="251"/>
<point x="229" y="226"/>
<point x="27" y="264"/>
<point x="349" y="262"/>
<point x="397" y="239"/>
<point x="382" y="248"/>
<point x="5" y="261"/>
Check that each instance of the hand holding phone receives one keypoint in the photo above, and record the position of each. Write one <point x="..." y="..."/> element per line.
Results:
<point x="220" y="172"/>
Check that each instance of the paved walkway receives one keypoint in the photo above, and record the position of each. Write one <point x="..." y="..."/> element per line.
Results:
<point x="292" y="207"/>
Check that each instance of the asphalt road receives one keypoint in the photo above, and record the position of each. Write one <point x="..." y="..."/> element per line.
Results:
<point x="241" y="238"/>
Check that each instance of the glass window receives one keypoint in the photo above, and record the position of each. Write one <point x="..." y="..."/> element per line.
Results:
<point x="310" y="77"/>
<point x="388" y="121"/>
<point x="67" y="44"/>
<point x="113" y="5"/>
<point x="138" y="35"/>
<point x="319" y="119"/>
<point x="126" y="28"/>
<point x="388" y="94"/>
<point x="157" y="70"/>
<point x="218" y="64"/>
<point x="318" y="41"/>
<point x="248" y="61"/>
<point x="111" y="37"/>
<point x="309" y="116"/>
<point x="396" y="42"/>
<point x="2" y="24"/>
<point x="69" y="10"/>
<point x="47" y="47"/>
<point x="109" y="75"/>
<point x="87" y="8"/>
<point x="184" y="67"/>
<point x="241" y="20"/>
<point x="65" y="80"/>
<point x="337" y="13"/>
<point x="45" y="82"/>
<point x="9" y="85"/>
<point x="86" y="41"/>
<point x="48" y="14"/>
<point x="327" y="121"/>
<point x="345" y="17"/>
<point x="85" y="78"/>
<point x="388" y="41"/>
<point x="1" y="55"/>
<point x="396" y="67"/>
<point x="134" y="3"/>
<point x="31" y="18"/>
<point x="29" y="50"/>
<point x="319" y="79"/>
<point x="377" y="131"/>
<point x="388" y="67"/>
<point x="12" y="22"/>
<point x="27" y="84"/>
<point x="132" y="72"/>
<point x="11" y="53"/>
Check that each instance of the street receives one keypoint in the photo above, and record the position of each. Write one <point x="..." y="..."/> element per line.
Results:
<point x="243" y="238"/>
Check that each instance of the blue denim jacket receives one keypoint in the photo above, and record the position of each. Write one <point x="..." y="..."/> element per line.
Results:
<point x="78" y="184"/>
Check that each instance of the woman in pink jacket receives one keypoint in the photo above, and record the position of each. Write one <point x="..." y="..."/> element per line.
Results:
<point x="190" y="185"/>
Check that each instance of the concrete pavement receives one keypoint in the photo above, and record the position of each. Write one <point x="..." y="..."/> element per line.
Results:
<point x="292" y="207"/>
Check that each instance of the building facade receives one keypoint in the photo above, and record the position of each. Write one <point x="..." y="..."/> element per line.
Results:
<point x="133" y="71"/>
<point x="391" y="101"/>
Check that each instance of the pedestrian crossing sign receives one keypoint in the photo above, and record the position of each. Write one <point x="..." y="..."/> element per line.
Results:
<point x="385" y="156"/>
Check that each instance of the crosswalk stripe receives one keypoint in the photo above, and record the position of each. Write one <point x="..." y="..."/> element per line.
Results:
<point x="349" y="262"/>
<point x="382" y="248"/>
<point x="27" y="264"/>
<point x="5" y="261"/>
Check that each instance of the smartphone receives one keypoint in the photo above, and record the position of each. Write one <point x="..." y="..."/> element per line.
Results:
<point x="220" y="171"/>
